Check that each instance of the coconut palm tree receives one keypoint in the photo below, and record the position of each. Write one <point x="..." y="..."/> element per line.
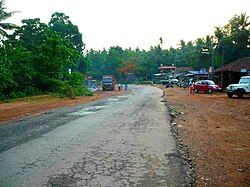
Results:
<point x="3" y="16"/>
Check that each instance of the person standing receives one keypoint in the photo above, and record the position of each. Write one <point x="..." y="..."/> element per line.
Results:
<point x="126" y="86"/>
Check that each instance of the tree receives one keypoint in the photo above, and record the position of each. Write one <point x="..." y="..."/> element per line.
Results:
<point x="239" y="36"/>
<point x="60" y="23"/>
<point x="38" y="57"/>
<point x="3" y="16"/>
<point x="128" y="67"/>
<point x="232" y="40"/>
<point x="83" y="63"/>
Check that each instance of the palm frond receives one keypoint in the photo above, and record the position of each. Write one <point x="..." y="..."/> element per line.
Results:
<point x="3" y="16"/>
<point x="8" y="26"/>
<point x="3" y="33"/>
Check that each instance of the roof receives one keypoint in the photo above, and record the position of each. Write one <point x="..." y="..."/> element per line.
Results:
<point x="183" y="69"/>
<point x="237" y="66"/>
<point x="160" y="74"/>
<point x="167" y="67"/>
<point x="193" y="72"/>
<point x="200" y="73"/>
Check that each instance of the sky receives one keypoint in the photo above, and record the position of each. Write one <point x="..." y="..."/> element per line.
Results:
<point x="134" y="23"/>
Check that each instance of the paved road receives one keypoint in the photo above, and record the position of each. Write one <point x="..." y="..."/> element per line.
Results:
<point x="121" y="141"/>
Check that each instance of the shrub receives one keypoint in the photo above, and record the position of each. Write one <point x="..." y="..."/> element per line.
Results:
<point x="73" y="86"/>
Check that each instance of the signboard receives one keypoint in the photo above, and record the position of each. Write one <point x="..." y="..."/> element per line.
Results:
<point x="243" y="70"/>
<point x="202" y="71"/>
<point x="210" y="70"/>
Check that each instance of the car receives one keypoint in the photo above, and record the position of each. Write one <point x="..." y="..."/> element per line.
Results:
<point x="183" y="84"/>
<point x="206" y="86"/>
<point x="93" y="89"/>
<point x="240" y="89"/>
<point x="172" y="80"/>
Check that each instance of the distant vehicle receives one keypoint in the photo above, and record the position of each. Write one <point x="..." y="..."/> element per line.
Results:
<point x="93" y="89"/>
<point x="170" y="80"/>
<point x="183" y="84"/>
<point x="240" y="89"/>
<point x="173" y="80"/>
<point x="169" y="85"/>
<point x="206" y="86"/>
<point x="108" y="83"/>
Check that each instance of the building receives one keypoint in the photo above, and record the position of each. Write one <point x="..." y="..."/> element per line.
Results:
<point x="231" y="73"/>
<point x="181" y="72"/>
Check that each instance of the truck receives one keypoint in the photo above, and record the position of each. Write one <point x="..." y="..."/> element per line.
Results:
<point x="240" y="89"/>
<point x="108" y="83"/>
<point x="169" y="81"/>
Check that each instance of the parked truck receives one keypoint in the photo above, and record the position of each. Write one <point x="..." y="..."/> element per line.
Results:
<point x="108" y="83"/>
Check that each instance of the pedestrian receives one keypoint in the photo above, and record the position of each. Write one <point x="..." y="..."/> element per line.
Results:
<point x="126" y="86"/>
<point x="191" y="89"/>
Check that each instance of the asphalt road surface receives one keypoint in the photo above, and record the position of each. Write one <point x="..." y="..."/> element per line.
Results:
<point x="120" y="141"/>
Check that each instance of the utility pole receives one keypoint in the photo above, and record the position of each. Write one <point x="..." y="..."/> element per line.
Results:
<point x="212" y="51"/>
<point x="222" y="65"/>
<point x="161" y="72"/>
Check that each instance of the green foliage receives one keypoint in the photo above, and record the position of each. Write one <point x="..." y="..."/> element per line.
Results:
<point x="232" y="40"/>
<point x="83" y="64"/>
<point x="75" y="79"/>
<point x="3" y="16"/>
<point x="73" y="86"/>
<point x="60" y="23"/>
<point x="35" y="59"/>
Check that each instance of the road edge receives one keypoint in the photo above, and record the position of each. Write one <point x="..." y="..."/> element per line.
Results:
<point x="182" y="152"/>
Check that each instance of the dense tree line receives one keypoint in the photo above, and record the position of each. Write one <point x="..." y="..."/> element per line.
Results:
<point x="36" y="57"/>
<point x="229" y="43"/>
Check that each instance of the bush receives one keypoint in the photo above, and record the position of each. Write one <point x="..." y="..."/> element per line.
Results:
<point x="72" y="92"/>
<point x="31" y="91"/>
<point x="75" y="79"/>
<point x="16" y="95"/>
<point x="73" y="86"/>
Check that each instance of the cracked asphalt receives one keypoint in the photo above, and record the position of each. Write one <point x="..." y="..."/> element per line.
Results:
<point x="120" y="141"/>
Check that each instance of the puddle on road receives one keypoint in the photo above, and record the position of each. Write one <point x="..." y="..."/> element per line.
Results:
<point x="113" y="99"/>
<point x="87" y="111"/>
<point x="95" y="108"/>
<point x="122" y="97"/>
<point x="118" y="98"/>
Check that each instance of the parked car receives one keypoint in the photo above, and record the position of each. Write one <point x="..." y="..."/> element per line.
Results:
<point x="93" y="89"/>
<point x="243" y="87"/>
<point x="183" y="84"/>
<point x="206" y="86"/>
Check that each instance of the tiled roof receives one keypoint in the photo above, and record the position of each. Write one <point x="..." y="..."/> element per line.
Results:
<point x="236" y="66"/>
<point x="183" y="69"/>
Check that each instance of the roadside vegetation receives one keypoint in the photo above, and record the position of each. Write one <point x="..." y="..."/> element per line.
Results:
<point x="228" y="43"/>
<point x="37" y="58"/>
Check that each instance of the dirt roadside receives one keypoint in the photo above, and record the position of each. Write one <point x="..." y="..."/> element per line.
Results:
<point x="217" y="133"/>
<point x="30" y="106"/>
